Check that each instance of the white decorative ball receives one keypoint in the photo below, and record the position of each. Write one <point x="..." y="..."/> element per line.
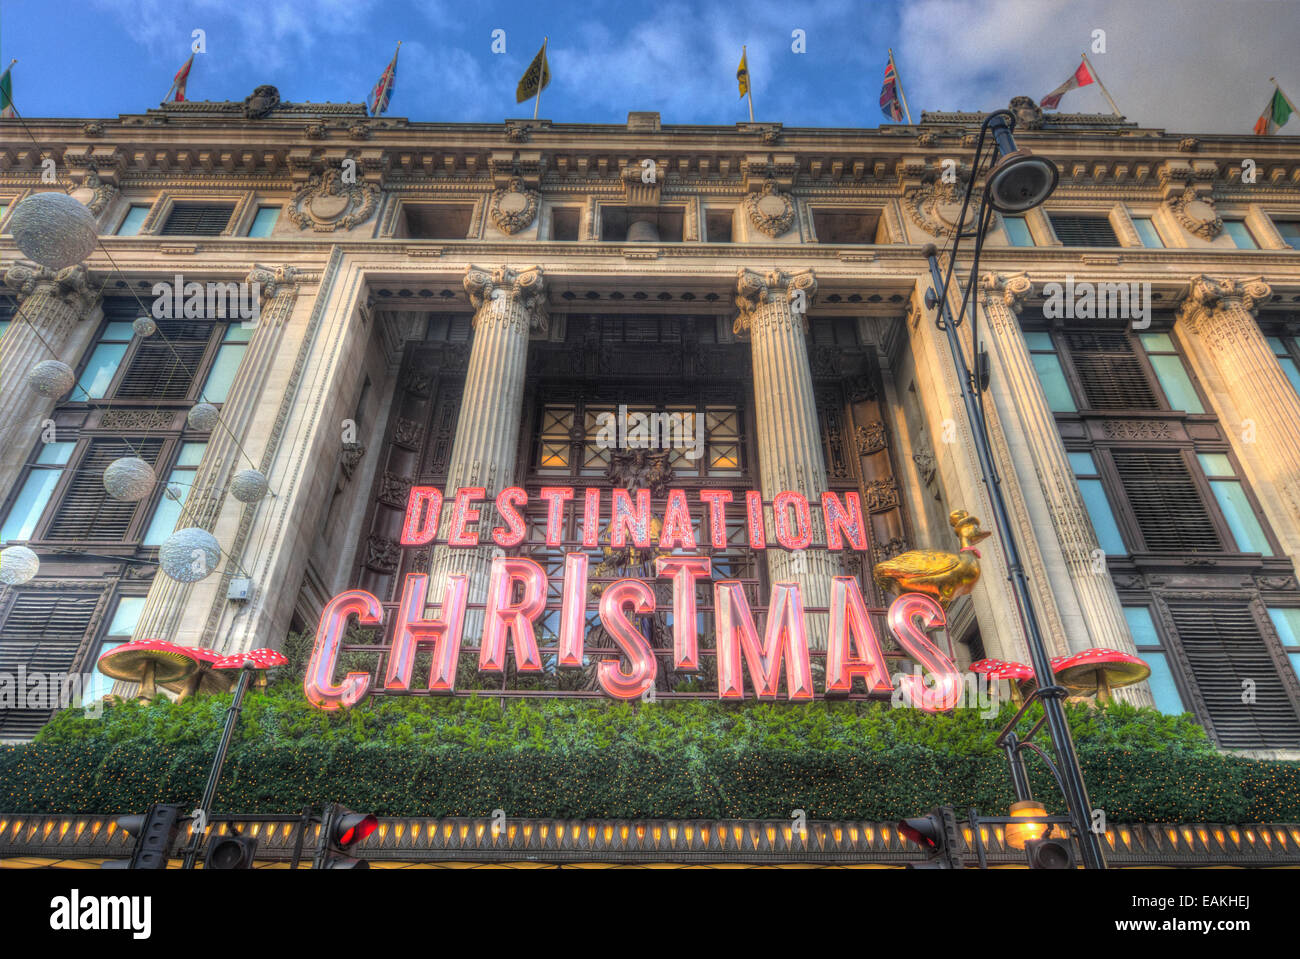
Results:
<point x="52" y="378"/>
<point x="173" y="491"/>
<point x="18" y="565"/>
<point x="248" y="486"/>
<point x="188" y="555"/>
<point x="203" y="416"/>
<point x="129" y="479"/>
<point x="144" y="325"/>
<point x="54" y="229"/>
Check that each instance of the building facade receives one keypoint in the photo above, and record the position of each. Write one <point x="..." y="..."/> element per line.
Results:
<point x="466" y="305"/>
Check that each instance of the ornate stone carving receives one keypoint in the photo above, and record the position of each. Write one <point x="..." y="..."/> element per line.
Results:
<point x="1010" y="289"/>
<point x="94" y="193"/>
<point x="1211" y="294"/>
<point x="1029" y="115"/>
<point x="1136" y="429"/>
<point x="880" y="495"/>
<point x="870" y="438"/>
<point x="1188" y="144"/>
<point x="770" y="210"/>
<point x="641" y="469"/>
<point x="315" y="131"/>
<point x="925" y="462"/>
<point x="527" y="287"/>
<point x="514" y="208"/>
<point x="394" y="490"/>
<point x="382" y="554"/>
<point x="408" y="433"/>
<point x="1196" y="213"/>
<point x="327" y="204"/>
<point x="517" y="132"/>
<point x="887" y="550"/>
<point x="135" y="420"/>
<point x="935" y="206"/>
<point x="93" y="129"/>
<point x="350" y="457"/>
<point x="359" y="131"/>
<point x="261" y="102"/>
<point x="271" y="279"/>
<point x="72" y="285"/>
<point x="754" y="291"/>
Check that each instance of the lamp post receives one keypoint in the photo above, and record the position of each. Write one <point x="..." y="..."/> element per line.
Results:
<point x="1018" y="181"/>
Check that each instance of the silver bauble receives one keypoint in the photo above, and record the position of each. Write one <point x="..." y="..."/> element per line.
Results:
<point x="18" y="565"/>
<point x="203" y="416"/>
<point x="188" y="555"/>
<point x="248" y="486"/>
<point x="52" y="378"/>
<point x="144" y="326"/>
<point x="54" y="229"/>
<point x="173" y="491"/>
<point x="129" y="479"/>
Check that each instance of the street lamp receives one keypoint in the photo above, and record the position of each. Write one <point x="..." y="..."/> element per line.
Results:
<point x="1018" y="181"/>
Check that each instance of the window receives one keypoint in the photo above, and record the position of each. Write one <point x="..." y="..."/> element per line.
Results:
<point x="620" y="224"/>
<point x="1161" y="681"/>
<point x="1234" y="504"/>
<point x="85" y="512"/>
<point x="104" y="361"/>
<point x="41" y="633"/>
<point x="1241" y="236"/>
<point x="1162" y="495"/>
<point x="35" y="492"/>
<point x="181" y="481"/>
<point x="133" y="220"/>
<point x="1050" y="374"/>
<point x="1171" y="373"/>
<point x="121" y="628"/>
<point x="1283" y="349"/>
<point x="1110" y="370"/>
<point x="437" y="221"/>
<point x="718" y="225"/>
<point x="564" y="223"/>
<point x="1098" y="504"/>
<point x="1017" y="231"/>
<point x="264" y="221"/>
<point x="226" y="364"/>
<point x="198" y="219"/>
<point x="1147" y="232"/>
<point x="846" y="226"/>
<point x="1289" y="230"/>
<point x="1083" y="230"/>
<point x="1287" y="624"/>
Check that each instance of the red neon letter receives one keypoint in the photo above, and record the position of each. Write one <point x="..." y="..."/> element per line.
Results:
<point x="903" y="613"/>
<point x="677" y="532"/>
<point x="412" y="629"/>
<point x="785" y="637"/>
<point x="318" y="681"/>
<point x="627" y="520"/>
<point x="684" y="570"/>
<point x="504" y="617"/>
<point x="556" y="497"/>
<point x="512" y="534"/>
<point x="781" y="504"/>
<point x="573" y="609"/>
<point x="420" y="529"/>
<point x="609" y="673"/>
<point x="717" y="500"/>
<point x="754" y="513"/>
<point x="464" y="513"/>
<point x="852" y="648"/>
<point x="847" y="520"/>
<point x="591" y="517"/>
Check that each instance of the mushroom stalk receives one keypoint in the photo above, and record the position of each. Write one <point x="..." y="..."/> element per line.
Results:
<point x="1103" y="688"/>
<point x="147" y="688"/>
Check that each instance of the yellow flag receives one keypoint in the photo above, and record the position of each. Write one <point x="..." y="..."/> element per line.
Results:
<point x="742" y="73"/>
<point x="535" y="78"/>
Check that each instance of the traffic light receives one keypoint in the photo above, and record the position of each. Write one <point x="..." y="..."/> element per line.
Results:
<point x="1050" y="854"/>
<point x="937" y="835"/>
<point x="232" y="851"/>
<point x="340" y="831"/>
<point x="155" y="833"/>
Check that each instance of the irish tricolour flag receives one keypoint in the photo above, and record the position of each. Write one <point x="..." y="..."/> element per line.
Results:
<point x="1276" y="114"/>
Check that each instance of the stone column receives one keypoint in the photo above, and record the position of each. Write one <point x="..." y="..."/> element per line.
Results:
<point x="1217" y="322"/>
<point x="49" y="325"/>
<point x="508" y="305"/>
<point x="774" y="317"/>
<point x="172" y="609"/>
<point x="1064" y="533"/>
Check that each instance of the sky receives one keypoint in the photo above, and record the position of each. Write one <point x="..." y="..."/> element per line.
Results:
<point x="1188" y="66"/>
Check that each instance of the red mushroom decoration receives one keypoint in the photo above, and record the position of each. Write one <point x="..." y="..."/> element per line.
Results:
<point x="148" y="662"/>
<point x="1095" y="672"/>
<point x="203" y="679"/>
<point x="263" y="659"/>
<point x="1019" y="674"/>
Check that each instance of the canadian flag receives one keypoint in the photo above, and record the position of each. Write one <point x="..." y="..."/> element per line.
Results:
<point x="1082" y="77"/>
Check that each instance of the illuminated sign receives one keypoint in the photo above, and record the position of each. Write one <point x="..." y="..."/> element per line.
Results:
<point x="517" y="590"/>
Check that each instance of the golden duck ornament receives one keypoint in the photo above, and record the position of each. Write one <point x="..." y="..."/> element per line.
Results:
<point x="940" y="575"/>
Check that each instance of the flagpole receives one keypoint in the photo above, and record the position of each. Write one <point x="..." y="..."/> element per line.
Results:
<point x="540" y="70"/>
<point x="1104" y="92"/>
<point x="898" y="81"/>
<point x="749" y="80"/>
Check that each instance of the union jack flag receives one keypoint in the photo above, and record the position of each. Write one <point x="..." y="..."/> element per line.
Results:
<point x="383" y="91"/>
<point x="889" y="105"/>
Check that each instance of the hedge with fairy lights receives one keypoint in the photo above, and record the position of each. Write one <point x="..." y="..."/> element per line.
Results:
<point x="595" y="758"/>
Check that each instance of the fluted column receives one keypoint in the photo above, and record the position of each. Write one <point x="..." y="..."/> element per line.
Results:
<point x="1218" y="318"/>
<point x="49" y="325"/>
<point x="774" y="317"/>
<point x="1067" y="538"/>
<point x="508" y="305"/>
<point x="174" y="610"/>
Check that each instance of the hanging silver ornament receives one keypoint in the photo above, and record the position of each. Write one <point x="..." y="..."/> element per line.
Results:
<point x="18" y="565"/>
<point x="188" y="555"/>
<point x="173" y="492"/>
<point x="52" y="378"/>
<point x="248" y="486"/>
<point x="54" y="229"/>
<point x="129" y="479"/>
<point x="203" y="416"/>
<point x="144" y="325"/>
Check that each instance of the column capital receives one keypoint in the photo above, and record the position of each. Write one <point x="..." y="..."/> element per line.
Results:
<point x="523" y="288"/>
<point x="1211" y="294"/>
<point x="1009" y="289"/>
<point x="754" y="291"/>
<point x="273" y="278"/>
<point x="74" y="285"/>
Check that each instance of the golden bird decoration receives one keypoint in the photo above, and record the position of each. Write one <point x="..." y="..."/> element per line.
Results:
<point x="940" y="575"/>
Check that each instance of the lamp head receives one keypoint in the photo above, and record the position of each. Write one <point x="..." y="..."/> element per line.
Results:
<point x="1020" y="180"/>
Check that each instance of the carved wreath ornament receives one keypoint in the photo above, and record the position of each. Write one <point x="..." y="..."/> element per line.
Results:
<point x="1197" y="214"/>
<point x="326" y="203"/>
<point x="514" y="208"/>
<point x="936" y="206"/>
<point x="771" y="211"/>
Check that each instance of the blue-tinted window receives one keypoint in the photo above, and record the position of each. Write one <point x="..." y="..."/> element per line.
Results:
<point x="1234" y="503"/>
<point x="1017" y="231"/>
<point x="1241" y="235"/>
<point x="1147" y="232"/>
<point x="104" y="362"/>
<point x="1171" y="373"/>
<point x="1287" y="624"/>
<point x="229" y="355"/>
<point x="1289" y="230"/>
<point x="36" y="490"/>
<point x="1286" y="360"/>
<point x="1102" y="516"/>
<point x="169" y="510"/>
<point x="133" y="220"/>
<point x="1161" y="681"/>
<point x="120" y="630"/>
<point x="264" y="221"/>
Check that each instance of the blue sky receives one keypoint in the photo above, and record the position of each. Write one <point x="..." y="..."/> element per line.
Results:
<point x="1193" y="66"/>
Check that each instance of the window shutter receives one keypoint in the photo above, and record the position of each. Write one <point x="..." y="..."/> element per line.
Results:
<point x="1164" y="499"/>
<point x="42" y="634"/>
<point x="1084" y="230"/>
<point x="1224" y="648"/>
<point x="1112" y="375"/>
<point x="86" y="512"/>
<point x="164" y="369"/>
<point x="197" y="219"/>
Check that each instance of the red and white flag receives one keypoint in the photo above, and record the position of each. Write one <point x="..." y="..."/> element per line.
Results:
<point x="1082" y="77"/>
<point x="178" y="82"/>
